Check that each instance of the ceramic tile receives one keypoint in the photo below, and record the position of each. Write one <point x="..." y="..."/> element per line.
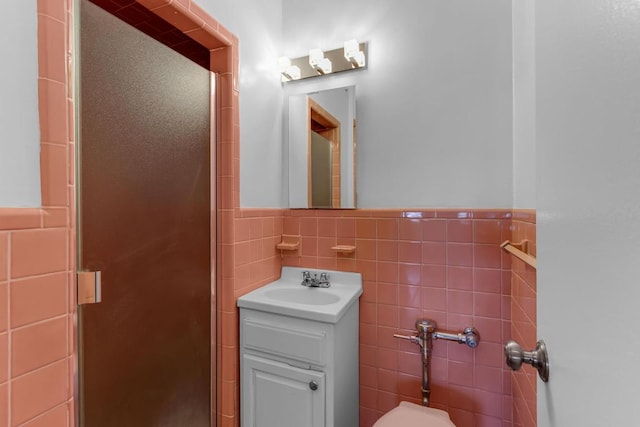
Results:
<point x="57" y="417"/>
<point x="366" y="228"/>
<point x="434" y="275"/>
<point x="387" y="272"/>
<point x="460" y="302"/>
<point x="369" y="397"/>
<point x="460" y="254"/>
<point x="409" y="274"/>
<point x="4" y="404"/>
<point x="366" y="249"/>
<point x="388" y="316"/>
<point x="4" y="306"/>
<point x="387" y="229"/>
<point x="20" y="219"/>
<point x="460" y="230"/>
<point x="410" y="252"/>
<point x="55" y="217"/>
<point x="491" y="354"/>
<point x="327" y="227"/>
<point x="52" y="58"/>
<point x="434" y="230"/>
<point x="434" y="299"/>
<point x="388" y="359"/>
<point x="4" y="256"/>
<point x="487" y="305"/>
<point x="38" y="252"/>
<point x="488" y="379"/>
<point x="387" y="250"/>
<point x="4" y="358"/>
<point x="38" y="391"/>
<point x="53" y="9"/>
<point x="409" y="296"/>
<point x="487" y="231"/>
<point x="53" y="111"/>
<point x="460" y="278"/>
<point x="346" y="227"/>
<point x="434" y="253"/>
<point x="487" y="256"/>
<point x="35" y="346"/>
<point x="38" y="298"/>
<point x="53" y="160"/>
<point x="407" y="316"/>
<point x="461" y="374"/>
<point x="410" y="229"/>
<point x="487" y="403"/>
<point x="387" y="380"/>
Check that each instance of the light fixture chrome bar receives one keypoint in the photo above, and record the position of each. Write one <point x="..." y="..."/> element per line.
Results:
<point x="338" y="63"/>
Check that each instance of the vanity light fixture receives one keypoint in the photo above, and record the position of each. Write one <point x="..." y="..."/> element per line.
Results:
<point x="349" y="57"/>
<point x="353" y="54"/>
<point x="318" y="62"/>
<point x="289" y="72"/>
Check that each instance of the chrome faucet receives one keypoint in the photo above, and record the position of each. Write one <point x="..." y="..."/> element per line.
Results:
<point x="314" y="282"/>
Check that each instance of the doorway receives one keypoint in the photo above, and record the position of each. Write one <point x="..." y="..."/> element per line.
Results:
<point x="144" y="221"/>
<point x="323" y="157"/>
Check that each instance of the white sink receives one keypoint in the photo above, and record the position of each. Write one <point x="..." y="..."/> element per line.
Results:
<point x="287" y="296"/>
<point x="303" y="295"/>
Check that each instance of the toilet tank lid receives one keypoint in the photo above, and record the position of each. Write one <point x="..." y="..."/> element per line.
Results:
<point x="409" y="415"/>
<point x="426" y="410"/>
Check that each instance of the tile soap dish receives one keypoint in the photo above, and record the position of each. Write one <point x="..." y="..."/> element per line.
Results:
<point x="289" y="243"/>
<point x="344" y="249"/>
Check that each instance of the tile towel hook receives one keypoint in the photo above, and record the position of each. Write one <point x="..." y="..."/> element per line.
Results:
<point x="520" y="250"/>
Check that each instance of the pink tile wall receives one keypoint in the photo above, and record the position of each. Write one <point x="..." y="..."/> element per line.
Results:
<point x="37" y="306"/>
<point x="523" y="326"/>
<point x="440" y="264"/>
<point x="37" y="246"/>
<point x="252" y="260"/>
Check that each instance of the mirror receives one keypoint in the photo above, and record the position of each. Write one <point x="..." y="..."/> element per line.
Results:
<point x="322" y="149"/>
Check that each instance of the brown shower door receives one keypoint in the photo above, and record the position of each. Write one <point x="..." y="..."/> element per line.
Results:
<point x="144" y="222"/>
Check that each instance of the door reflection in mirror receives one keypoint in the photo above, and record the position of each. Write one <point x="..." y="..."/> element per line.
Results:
<point x="322" y="149"/>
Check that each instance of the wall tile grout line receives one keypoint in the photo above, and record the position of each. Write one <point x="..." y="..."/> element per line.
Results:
<point x="9" y="334"/>
<point x="39" y="322"/>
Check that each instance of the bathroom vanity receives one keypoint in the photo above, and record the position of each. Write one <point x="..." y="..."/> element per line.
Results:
<point x="299" y="352"/>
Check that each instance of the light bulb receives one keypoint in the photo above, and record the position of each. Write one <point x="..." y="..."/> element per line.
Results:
<point x="283" y="64"/>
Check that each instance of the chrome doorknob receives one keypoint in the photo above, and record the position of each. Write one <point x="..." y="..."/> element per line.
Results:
<point x="538" y="358"/>
<point x="313" y="385"/>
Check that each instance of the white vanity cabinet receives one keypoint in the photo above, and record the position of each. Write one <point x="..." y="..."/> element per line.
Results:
<point x="277" y="394"/>
<point x="299" y="352"/>
<point x="299" y="361"/>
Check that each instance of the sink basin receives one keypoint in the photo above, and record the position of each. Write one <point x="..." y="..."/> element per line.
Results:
<point x="287" y="296"/>
<point x="303" y="295"/>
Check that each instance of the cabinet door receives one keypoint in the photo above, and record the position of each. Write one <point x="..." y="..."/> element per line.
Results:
<point x="278" y="395"/>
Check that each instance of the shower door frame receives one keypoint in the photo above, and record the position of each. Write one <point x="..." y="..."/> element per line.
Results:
<point x="194" y="22"/>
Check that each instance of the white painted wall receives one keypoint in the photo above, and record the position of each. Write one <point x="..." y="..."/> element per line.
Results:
<point x="588" y="178"/>
<point x="445" y="99"/>
<point x="19" y="128"/>
<point x="298" y="194"/>
<point x="524" y="102"/>
<point x="258" y="25"/>
<point x="435" y="104"/>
